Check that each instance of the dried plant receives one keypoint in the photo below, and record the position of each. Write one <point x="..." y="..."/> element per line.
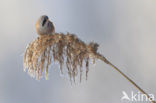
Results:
<point x="68" y="50"/>
<point x="65" y="49"/>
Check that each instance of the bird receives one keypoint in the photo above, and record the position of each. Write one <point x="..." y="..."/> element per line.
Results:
<point x="44" y="26"/>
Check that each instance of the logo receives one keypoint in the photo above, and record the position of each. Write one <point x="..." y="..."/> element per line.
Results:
<point x="136" y="97"/>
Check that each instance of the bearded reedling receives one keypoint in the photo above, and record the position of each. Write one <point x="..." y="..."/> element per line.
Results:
<point x="67" y="50"/>
<point x="44" y="26"/>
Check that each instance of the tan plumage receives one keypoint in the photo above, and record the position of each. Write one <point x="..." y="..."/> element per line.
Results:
<point x="44" y="26"/>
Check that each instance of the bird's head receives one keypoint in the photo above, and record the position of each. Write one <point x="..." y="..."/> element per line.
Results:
<point x="44" y="25"/>
<point x="42" y="20"/>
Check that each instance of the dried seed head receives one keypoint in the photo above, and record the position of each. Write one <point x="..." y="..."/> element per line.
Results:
<point x="66" y="49"/>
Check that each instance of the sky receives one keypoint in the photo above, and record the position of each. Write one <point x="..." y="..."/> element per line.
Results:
<point x="124" y="29"/>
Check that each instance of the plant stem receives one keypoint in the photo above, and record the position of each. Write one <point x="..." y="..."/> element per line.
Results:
<point x="101" y="57"/>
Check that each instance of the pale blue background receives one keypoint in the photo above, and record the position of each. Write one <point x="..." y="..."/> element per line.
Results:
<point x="125" y="30"/>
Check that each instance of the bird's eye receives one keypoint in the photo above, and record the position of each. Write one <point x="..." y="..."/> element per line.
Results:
<point x="44" y="21"/>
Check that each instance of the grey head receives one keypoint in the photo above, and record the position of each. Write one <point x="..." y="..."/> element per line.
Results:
<point x="44" y="26"/>
<point x="43" y="19"/>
